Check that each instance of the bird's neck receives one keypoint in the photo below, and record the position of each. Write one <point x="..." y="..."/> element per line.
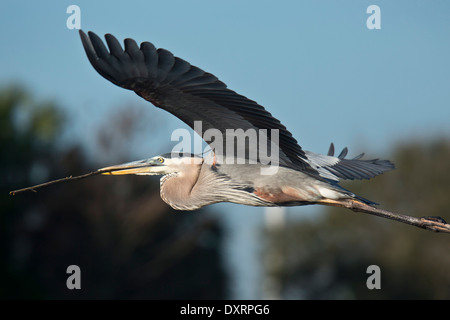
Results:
<point x="177" y="188"/>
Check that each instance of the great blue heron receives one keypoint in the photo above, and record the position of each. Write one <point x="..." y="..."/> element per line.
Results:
<point x="190" y="182"/>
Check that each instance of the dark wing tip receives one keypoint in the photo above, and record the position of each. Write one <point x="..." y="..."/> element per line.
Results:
<point x="331" y="150"/>
<point x="87" y="45"/>
<point x="112" y="62"/>
<point x="95" y="51"/>
<point x="343" y="153"/>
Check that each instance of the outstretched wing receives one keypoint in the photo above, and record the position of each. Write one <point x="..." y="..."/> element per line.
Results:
<point x="336" y="168"/>
<point x="187" y="92"/>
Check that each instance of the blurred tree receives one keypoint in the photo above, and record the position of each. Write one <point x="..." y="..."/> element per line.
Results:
<point x="328" y="257"/>
<point x="126" y="240"/>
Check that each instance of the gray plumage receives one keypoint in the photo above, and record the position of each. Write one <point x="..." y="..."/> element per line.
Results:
<point x="190" y="182"/>
<point x="192" y="94"/>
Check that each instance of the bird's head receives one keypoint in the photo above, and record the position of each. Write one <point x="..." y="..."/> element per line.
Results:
<point x="160" y="165"/>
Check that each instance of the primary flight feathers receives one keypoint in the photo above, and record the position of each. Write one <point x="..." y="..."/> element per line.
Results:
<point x="192" y="94"/>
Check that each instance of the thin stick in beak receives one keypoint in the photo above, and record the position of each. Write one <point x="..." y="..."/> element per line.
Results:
<point x="128" y="168"/>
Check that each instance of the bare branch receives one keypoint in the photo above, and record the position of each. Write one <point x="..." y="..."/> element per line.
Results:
<point x="69" y="178"/>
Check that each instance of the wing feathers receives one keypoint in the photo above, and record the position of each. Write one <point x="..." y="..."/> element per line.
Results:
<point x="186" y="91"/>
<point x="336" y="168"/>
<point x="150" y="60"/>
<point x="192" y="94"/>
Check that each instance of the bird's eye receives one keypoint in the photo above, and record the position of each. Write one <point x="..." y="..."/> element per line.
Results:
<point x="160" y="159"/>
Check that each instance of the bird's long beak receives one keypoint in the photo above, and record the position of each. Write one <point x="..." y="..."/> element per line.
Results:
<point x="141" y="167"/>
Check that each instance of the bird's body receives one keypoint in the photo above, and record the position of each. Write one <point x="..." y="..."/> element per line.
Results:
<point x="223" y="183"/>
<point x="190" y="182"/>
<point x="301" y="177"/>
<point x="193" y="182"/>
<point x="182" y="192"/>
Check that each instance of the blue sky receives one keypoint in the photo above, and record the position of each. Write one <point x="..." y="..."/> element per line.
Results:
<point x="313" y="64"/>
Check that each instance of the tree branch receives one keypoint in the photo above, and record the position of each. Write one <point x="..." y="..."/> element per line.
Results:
<point x="70" y="178"/>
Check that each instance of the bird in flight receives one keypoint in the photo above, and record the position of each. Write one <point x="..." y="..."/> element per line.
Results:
<point x="191" y="181"/>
